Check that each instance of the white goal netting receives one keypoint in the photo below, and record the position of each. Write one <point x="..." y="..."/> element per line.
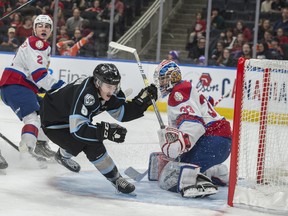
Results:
<point x="262" y="160"/>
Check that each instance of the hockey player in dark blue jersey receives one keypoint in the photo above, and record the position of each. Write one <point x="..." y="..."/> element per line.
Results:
<point x="66" y="117"/>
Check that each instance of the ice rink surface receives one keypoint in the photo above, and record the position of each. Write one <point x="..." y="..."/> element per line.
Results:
<point x="26" y="190"/>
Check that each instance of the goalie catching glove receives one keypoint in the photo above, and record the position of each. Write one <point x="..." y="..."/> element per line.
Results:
<point x="145" y="96"/>
<point x="173" y="142"/>
<point x="113" y="132"/>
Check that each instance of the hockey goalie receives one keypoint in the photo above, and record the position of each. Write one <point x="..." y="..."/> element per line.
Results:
<point x="196" y="141"/>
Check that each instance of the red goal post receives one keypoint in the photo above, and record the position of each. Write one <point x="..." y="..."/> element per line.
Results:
<point x="259" y="155"/>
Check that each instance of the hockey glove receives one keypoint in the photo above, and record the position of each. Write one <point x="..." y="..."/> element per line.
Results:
<point x="144" y="97"/>
<point x="173" y="142"/>
<point x="113" y="132"/>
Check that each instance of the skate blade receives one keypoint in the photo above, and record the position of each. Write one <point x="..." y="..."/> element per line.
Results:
<point x="132" y="194"/>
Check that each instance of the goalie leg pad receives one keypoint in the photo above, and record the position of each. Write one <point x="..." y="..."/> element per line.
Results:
<point x="187" y="176"/>
<point x="157" y="161"/>
<point x="169" y="177"/>
<point x="219" y="174"/>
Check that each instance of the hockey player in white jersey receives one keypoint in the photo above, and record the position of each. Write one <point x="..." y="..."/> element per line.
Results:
<point x="196" y="141"/>
<point x="22" y="80"/>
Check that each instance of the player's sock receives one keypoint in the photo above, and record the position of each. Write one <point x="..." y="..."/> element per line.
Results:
<point x="107" y="167"/>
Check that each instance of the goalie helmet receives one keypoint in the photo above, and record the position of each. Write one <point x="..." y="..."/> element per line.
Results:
<point x="106" y="73"/>
<point x="166" y="76"/>
<point x="42" y="19"/>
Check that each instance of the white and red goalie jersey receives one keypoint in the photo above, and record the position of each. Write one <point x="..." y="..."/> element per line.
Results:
<point x="190" y="116"/>
<point x="29" y="66"/>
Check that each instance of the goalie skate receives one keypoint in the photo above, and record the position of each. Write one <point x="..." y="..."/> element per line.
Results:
<point x="43" y="149"/>
<point x="67" y="162"/>
<point x="123" y="186"/>
<point x="204" y="187"/>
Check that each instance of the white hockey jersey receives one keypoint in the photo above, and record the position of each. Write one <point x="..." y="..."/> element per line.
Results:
<point x="192" y="114"/>
<point x="29" y="66"/>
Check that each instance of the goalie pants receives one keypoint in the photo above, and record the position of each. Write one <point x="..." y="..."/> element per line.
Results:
<point x="208" y="151"/>
<point x="64" y="139"/>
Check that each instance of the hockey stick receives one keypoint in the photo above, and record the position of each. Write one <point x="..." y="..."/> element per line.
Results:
<point x="146" y="81"/>
<point x="134" y="174"/>
<point x="222" y="97"/>
<point x="9" y="141"/>
<point x="13" y="11"/>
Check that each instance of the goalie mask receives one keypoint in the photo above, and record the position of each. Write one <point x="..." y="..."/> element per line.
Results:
<point x="107" y="73"/>
<point x="166" y="76"/>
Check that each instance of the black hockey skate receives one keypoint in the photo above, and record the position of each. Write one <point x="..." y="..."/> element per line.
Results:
<point x="43" y="149"/>
<point x="3" y="162"/>
<point x="36" y="156"/>
<point x="123" y="186"/>
<point x="67" y="162"/>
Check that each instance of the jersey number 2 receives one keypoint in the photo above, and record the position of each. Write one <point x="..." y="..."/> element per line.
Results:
<point x="39" y="59"/>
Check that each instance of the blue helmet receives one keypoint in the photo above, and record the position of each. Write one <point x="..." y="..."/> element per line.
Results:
<point x="166" y="76"/>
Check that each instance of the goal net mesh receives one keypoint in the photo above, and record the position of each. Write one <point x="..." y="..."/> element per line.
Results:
<point x="262" y="162"/>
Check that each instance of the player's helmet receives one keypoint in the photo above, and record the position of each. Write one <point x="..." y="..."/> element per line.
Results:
<point x="166" y="76"/>
<point x="43" y="19"/>
<point x="106" y="73"/>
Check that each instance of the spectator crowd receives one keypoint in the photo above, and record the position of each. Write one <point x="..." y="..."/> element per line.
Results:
<point x="83" y="27"/>
<point x="86" y="20"/>
<point x="229" y="41"/>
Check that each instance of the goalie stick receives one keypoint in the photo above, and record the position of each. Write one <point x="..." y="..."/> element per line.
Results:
<point x="137" y="176"/>
<point x="145" y="80"/>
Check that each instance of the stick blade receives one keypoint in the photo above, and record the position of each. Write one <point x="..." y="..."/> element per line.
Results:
<point x="131" y="172"/>
<point x="118" y="46"/>
<point x="134" y="174"/>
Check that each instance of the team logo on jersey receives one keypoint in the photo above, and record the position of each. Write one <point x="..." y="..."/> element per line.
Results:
<point x="178" y="96"/>
<point x="39" y="44"/>
<point x="89" y="100"/>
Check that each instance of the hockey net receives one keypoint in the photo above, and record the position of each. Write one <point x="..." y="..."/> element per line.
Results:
<point x="259" y="156"/>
